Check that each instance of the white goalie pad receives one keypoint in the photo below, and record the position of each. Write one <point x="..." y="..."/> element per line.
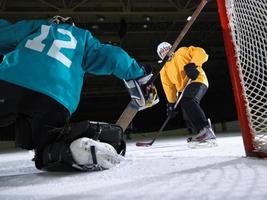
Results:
<point x="103" y="157"/>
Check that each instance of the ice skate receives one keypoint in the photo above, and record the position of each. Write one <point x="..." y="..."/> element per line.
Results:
<point x="205" y="138"/>
<point x="92" y="154"/>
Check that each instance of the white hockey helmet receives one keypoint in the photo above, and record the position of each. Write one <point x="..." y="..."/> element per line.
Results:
<point x="163" y="48"/>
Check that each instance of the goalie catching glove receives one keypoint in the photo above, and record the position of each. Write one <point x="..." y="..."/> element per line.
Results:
<point x="144" y="94"/>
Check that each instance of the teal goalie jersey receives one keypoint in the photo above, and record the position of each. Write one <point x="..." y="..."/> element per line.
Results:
<point x="53" y="58"/>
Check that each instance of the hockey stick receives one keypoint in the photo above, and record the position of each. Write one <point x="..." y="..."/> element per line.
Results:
<point x="146" y="144"/>
<point x="166" y="58"/>
<point x="132" y="108"/>
<point x="180" y="37"/>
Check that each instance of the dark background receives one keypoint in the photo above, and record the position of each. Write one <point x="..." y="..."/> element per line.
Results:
<point x="123" y="23"/>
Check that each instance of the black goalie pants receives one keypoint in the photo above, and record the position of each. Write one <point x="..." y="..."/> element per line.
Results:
<point x="31" y="115"/>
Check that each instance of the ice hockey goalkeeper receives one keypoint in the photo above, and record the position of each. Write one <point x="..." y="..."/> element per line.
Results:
<point x="41" y="78"/>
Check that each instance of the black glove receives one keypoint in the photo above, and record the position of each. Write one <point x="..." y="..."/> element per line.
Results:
<point x="191" y="71"/>
<point x="171" y="110"/>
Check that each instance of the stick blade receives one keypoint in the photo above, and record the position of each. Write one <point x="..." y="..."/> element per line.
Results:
<point x="143" y="144"/>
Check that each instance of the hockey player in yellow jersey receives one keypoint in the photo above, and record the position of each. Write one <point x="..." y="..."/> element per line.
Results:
<point x="186" y="63"/>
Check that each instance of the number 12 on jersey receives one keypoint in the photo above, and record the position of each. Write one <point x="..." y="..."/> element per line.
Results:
<point x="54" y="51"/>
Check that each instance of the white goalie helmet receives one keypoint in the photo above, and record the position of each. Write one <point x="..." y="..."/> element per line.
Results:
<point x="163" y="48"/>
<point x="59" y="19"/>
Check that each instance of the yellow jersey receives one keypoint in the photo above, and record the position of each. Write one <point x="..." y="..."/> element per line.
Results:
<point x="173" y="76"/>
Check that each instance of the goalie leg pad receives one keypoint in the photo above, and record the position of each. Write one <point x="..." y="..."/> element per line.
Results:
<point x="111" y="134"/>
<point x="55" y="157"/>
<point x="82" y="154"/>
<point x="104" y="132"/>
<point x="89" y="153"/>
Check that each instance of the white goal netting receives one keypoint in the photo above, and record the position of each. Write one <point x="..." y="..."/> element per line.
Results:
<point x="248" y="24"/>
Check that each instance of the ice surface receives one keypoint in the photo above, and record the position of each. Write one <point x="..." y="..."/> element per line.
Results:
<point x="166" y="170"/>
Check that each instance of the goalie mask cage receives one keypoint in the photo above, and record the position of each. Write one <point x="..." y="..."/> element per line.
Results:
<point x="244" y="29"/>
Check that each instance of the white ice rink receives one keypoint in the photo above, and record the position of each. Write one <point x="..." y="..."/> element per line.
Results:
<point x="166" y="170"/>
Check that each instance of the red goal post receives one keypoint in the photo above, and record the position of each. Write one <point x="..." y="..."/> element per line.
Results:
<point x="244" y="29"/>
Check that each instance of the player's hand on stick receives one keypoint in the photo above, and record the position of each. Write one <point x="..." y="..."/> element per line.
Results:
<point x="191" y="71"/>
<point x="171" y="113"/>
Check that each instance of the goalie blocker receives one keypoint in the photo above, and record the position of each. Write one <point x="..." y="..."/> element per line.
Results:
<point x="83" y="146"/>
<point x="143" y="92"/>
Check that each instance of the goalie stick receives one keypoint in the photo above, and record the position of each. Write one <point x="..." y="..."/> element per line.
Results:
<point x="132" y="108"/>
<point x="146" y="144"/>
<point x="128" y="114"/>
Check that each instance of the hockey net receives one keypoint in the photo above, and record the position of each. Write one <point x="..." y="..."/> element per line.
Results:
<point x="244" y="24"/>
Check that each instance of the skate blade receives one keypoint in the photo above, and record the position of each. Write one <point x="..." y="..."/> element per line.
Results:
<point x="205" y="144"/>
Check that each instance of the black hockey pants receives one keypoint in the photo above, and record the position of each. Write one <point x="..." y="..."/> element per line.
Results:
<point x="31" y="114"/>
<point x="193" y="114"/>
<point x="42" y="124"/>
